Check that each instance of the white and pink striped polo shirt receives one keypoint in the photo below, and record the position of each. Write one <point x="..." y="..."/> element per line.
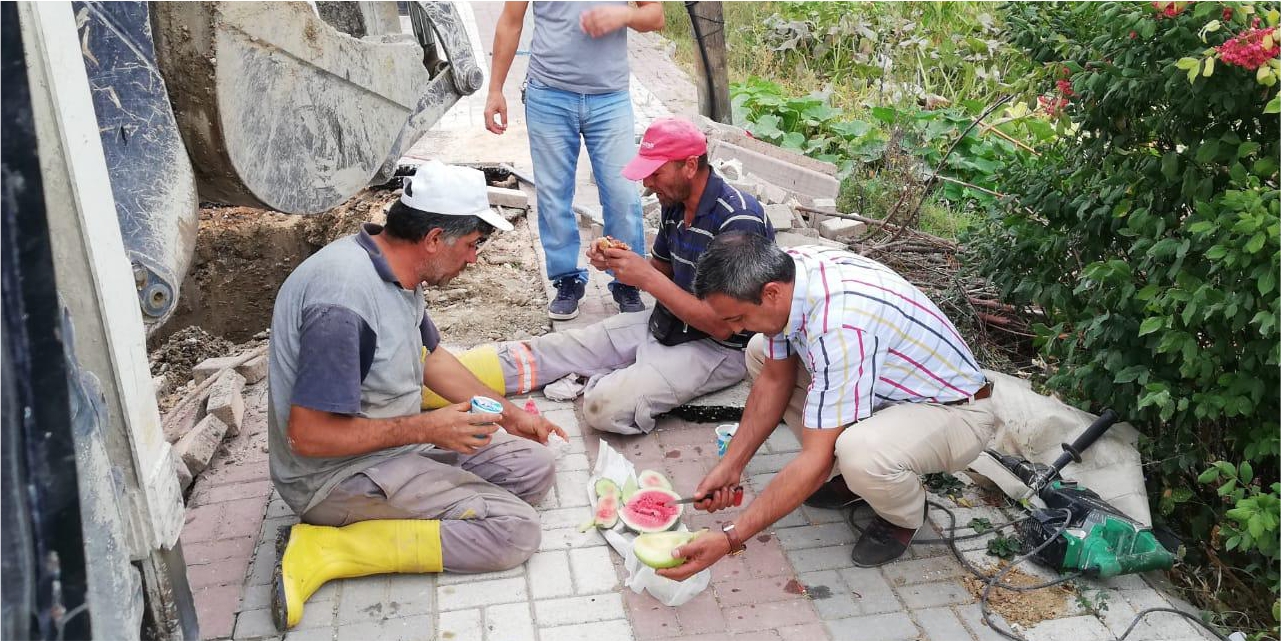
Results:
<point x="870" y="339"/>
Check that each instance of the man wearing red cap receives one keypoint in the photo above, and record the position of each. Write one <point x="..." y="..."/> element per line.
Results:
<point x="645" y="363"/>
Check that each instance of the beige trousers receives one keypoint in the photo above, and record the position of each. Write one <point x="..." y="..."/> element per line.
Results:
<point x="883" y="456"/>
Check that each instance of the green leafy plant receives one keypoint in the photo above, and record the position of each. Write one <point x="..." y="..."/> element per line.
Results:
<point x="945" y="484"/>
<point x="1096" y="605"/>
<point x="1005" y="547"/>
<point x="980" y="525"/>
<point x="1149" y="236"/>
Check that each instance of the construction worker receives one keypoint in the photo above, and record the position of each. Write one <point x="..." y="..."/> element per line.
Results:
<point x="577" y="94"/>
<point x="642" y="364"/>
<point x="378" y="485"/>
<point x="864" y="368"/>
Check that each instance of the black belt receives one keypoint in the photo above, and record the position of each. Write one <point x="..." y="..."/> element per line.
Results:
<point x="982" y="393"/>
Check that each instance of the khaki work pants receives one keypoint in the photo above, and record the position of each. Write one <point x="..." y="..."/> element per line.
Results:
<point x="632" y="377"/>
<point x="482" y="500"/>
<point x="883" y="456"/>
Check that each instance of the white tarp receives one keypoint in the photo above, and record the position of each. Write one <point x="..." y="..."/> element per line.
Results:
<point x="1033" y="426"/>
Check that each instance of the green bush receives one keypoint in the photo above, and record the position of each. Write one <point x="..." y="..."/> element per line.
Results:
<point x="1149" y="236"/>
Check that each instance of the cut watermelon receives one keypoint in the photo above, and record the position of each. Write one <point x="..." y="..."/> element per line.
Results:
<point x="606" y="487"/>
<point x="651" y="510"/>
<point x="650" y="478"/>
<point x="655" y="548"/>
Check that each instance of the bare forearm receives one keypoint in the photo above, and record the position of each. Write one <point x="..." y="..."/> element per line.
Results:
<point x="785" y="492"/>
<point x="506" y="39"/>
<point x="647" y="16"/>
<point x="318" y="434"/>
<point x="761" y="415"/>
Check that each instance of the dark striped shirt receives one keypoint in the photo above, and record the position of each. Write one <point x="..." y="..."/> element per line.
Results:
<point x="721" y="208"/>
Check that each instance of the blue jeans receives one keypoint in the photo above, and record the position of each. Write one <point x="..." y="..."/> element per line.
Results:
<point x="557" y="120"/>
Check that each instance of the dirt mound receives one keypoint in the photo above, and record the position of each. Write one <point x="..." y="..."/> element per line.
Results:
<point x="1024" y="609"/>
<point x="185" y="349"/>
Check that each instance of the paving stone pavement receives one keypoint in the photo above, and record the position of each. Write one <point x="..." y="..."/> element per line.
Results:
<point x="795" y="581"/>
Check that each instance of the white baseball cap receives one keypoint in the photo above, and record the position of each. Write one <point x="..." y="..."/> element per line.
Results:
<point x="450" y="190"/>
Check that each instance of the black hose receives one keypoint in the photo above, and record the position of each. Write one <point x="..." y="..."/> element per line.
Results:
<point x="702" y="53"/>
<point x="994" y="580"/>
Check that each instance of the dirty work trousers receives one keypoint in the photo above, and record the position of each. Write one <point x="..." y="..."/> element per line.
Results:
<point x="482" y="500"/>
<point x="883" y="456"/>
<point x="631" y="377"/>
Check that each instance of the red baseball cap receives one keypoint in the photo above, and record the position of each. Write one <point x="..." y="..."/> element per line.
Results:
<point x="666" y="139"/>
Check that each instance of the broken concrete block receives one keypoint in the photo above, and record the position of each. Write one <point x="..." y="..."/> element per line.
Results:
<point x="650" y="206"/>
<point x="590" y="214"/>
<point x="513" y="198"/>
<point x="226" y="402"/>
<point x="738" y="136"/>
<point x="842" y="229"/>
<point x="254" y="369"/>
<point x="211" y="366"/>
<point x="181" y="420"/>
<point x="789" y="239"/>
<point x="180" y="469"/>
<point x="197" y="447"/>
<point x="769" y="192"/>
<point x="804" y="184"/>
<point x="729" y="169"/>
<point x="807" y="232"/>
<point x="827" y="205"/>
<point x="780" y="216"/>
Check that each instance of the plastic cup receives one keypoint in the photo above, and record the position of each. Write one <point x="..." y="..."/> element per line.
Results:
<point x="723" y="434"/>
<point x="485" y="405"/>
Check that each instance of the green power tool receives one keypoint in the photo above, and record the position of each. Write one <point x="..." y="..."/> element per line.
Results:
<point x="1098" y="539"/>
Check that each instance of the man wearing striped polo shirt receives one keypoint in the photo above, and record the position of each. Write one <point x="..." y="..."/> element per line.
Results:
<point x="863" y="367"/>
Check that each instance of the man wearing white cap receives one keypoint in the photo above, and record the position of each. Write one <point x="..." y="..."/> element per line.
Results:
<point x="378" y="485"/>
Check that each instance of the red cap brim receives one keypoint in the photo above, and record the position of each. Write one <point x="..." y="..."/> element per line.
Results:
<point x="641" y="167"/>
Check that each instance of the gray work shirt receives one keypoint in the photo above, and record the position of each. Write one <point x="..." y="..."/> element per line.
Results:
<point x="565" y="57"/>
<point x="345" y="338"/>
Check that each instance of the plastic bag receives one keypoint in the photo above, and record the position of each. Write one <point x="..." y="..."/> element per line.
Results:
<point x="640" y="577"/>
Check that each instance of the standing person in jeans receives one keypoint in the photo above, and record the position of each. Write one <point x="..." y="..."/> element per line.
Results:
<point x="577" y="91"/>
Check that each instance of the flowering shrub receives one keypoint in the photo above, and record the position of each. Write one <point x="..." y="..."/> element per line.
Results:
<point x="1150" y="236"/>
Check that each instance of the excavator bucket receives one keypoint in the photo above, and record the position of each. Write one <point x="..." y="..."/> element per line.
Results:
<point x="281" y="110"/>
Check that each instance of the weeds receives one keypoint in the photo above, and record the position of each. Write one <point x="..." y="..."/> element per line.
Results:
<point x="1005" y="547"/>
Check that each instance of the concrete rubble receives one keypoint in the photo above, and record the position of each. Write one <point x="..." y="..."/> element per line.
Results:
<point x="214" y="409"/>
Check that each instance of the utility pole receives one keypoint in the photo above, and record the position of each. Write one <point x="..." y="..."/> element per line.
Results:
<point x="708" y="22"/>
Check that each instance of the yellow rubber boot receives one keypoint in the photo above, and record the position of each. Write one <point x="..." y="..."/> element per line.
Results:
<point x="481" y="361"/>
<point x="308" y="556"/>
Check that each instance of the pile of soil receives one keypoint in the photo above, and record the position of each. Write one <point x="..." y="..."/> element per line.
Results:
<point x="183" y="350"/>
<point x="1023" y="609"/>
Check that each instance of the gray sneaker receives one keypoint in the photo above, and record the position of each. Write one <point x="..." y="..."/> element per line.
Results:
<point x="627" y="297"/>
<point x="569" y="290"/>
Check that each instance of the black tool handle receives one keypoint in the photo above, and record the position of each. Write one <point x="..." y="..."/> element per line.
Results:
<point x="1072" y="452"/>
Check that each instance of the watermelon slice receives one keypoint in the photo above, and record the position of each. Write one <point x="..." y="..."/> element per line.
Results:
<point x="655" y="548"/>
<point x="606" y="516"/>
<point x="629" y="488"/>
<point x="606" y="487"/>
<point x="651" y="510"/>
<point x="650" y="478"/>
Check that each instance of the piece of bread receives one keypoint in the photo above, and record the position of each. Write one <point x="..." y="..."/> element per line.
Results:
<point x="609" y="242"/>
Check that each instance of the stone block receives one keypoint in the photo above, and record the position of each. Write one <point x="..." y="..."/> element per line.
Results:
<point x="253" y="370"/>
<point x="841" y="229"/>
<point x="180" y="468"/>
<point x="803" y="183"/>
<point x="211" y="366"/>
<point x="513" y="198"/>
<point x="226" y="402"/>
<point x="780" y="216"/>
<point x="791" y="239"/>
<point x="180" y="421"/>
<point x="769" y="192"/>
<point x="737" y="136"/>
<point x="198" y="446"/>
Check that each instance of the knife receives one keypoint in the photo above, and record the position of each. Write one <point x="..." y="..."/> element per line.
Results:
<point x="738" y="498"/>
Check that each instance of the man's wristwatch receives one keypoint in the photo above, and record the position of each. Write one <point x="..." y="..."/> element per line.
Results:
<point x="736" y="546"/>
